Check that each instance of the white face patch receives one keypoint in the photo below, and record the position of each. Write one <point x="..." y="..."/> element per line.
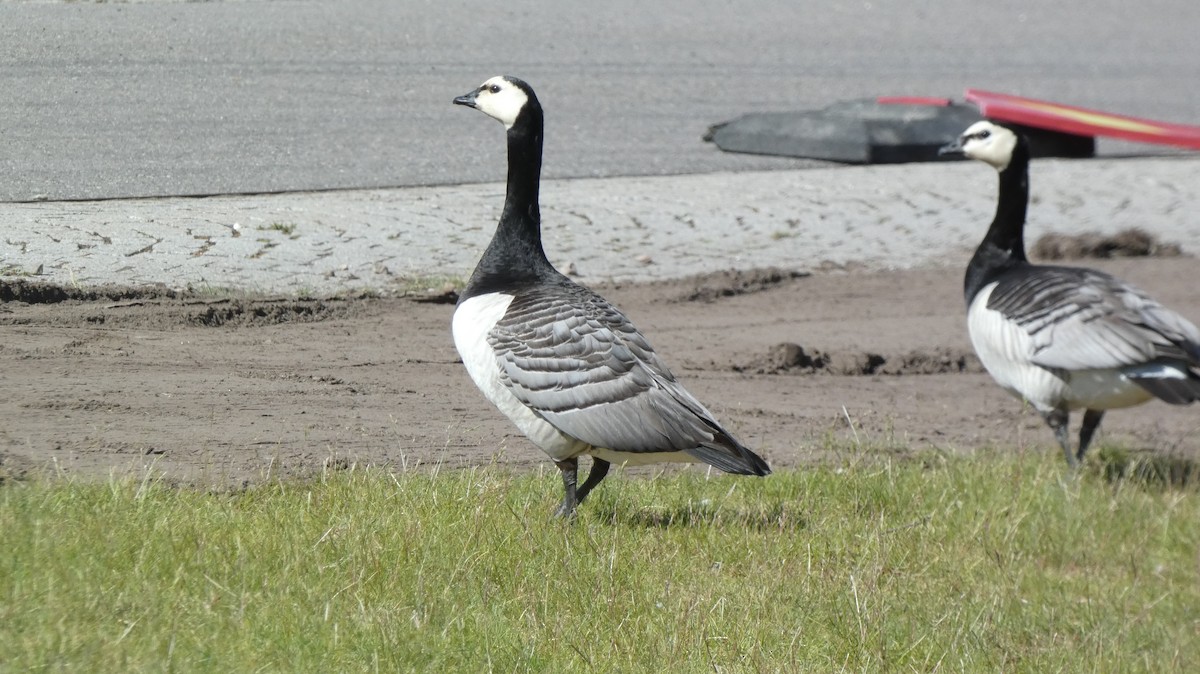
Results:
<point x="989" y="143"/>
<point x="501" y="99"/>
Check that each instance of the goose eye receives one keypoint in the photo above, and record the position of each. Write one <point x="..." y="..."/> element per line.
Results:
<point x="983" y="134"/>
<point x="495" y="88"/>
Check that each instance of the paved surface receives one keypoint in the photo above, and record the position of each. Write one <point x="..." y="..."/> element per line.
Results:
<point x="613" y="228"/>
<point x="116" y="100"/>
<point x="110" y="99"/>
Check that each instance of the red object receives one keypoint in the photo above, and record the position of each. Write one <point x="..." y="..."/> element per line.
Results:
<point x="913" y="100"/>
<point x="1081" y="121"/>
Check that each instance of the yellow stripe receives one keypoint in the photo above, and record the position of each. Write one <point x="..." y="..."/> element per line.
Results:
<point x="1098" y="119"/>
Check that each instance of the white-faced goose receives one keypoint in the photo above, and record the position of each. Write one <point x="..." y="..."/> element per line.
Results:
<point x="568" y="368"/>
<point x="1065" y="338"/>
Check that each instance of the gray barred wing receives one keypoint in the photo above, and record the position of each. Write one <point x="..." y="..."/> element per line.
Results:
<point x="579" y="363"/>
<point x="1086" y="319"/>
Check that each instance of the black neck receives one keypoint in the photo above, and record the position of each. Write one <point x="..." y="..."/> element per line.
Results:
<point x="515" y="256"/>
<point x="524" y="167"/>
<point x="1004" y="245"/>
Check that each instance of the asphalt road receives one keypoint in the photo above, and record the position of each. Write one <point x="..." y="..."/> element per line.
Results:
<point x="108" y="100"/>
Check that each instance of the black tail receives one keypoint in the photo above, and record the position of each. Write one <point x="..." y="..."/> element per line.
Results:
<point x="733" y="457"/>
<point x="1176" y="391"/>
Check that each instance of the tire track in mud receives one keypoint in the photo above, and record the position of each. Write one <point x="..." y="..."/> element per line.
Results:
<point x="155" y="307"/>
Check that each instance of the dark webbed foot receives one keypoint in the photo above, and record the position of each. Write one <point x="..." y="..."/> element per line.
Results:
<point x="570" y="475"/>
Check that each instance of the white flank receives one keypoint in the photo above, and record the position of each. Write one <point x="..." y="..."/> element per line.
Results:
<point x="473" y="320"/>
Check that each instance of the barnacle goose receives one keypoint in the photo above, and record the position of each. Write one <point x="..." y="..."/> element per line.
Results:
<point x="1065" y="338"/>
<point x="564" y="365"/>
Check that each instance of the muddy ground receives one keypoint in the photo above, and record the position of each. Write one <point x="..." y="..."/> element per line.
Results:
<point x="234" y="390"/>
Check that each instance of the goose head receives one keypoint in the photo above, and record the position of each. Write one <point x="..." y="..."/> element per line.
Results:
<point x="986" y="141"/>
<point x="502" y="98"/>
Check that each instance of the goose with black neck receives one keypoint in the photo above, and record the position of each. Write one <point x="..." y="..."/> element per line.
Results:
<point x="1064" y="338"/>
<point x="563" y="364"/>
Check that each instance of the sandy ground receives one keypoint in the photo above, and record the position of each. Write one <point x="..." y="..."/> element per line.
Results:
<point x="237" y="389"/>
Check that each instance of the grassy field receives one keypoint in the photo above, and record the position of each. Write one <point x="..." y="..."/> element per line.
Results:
<point x="995" y="563"/>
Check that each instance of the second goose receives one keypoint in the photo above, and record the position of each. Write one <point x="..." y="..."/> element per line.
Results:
<point x="1065" y="338"/>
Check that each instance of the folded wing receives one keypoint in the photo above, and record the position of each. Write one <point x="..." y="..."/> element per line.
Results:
<point x="580" y="364"/>
<point x="1080" y="319"/>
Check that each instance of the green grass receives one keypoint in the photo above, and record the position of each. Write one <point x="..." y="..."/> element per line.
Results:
<point x="997" y="563"/>
<point x="287" y="229"/>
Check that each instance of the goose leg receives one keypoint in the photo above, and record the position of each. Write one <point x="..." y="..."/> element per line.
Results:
<point x="1091" y="421"/>
<point x="1058" y="419"/>
<point x="595" y="476"/>
<point x="570" y="476"/>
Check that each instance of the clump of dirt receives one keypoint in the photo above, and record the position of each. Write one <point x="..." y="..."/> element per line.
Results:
<point x="40" y="292"/>
<point x="1133" y="242"/>
<point x="791" y="358"/>
<point x="934" y="361"/>
<point x="711" y="287"/>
